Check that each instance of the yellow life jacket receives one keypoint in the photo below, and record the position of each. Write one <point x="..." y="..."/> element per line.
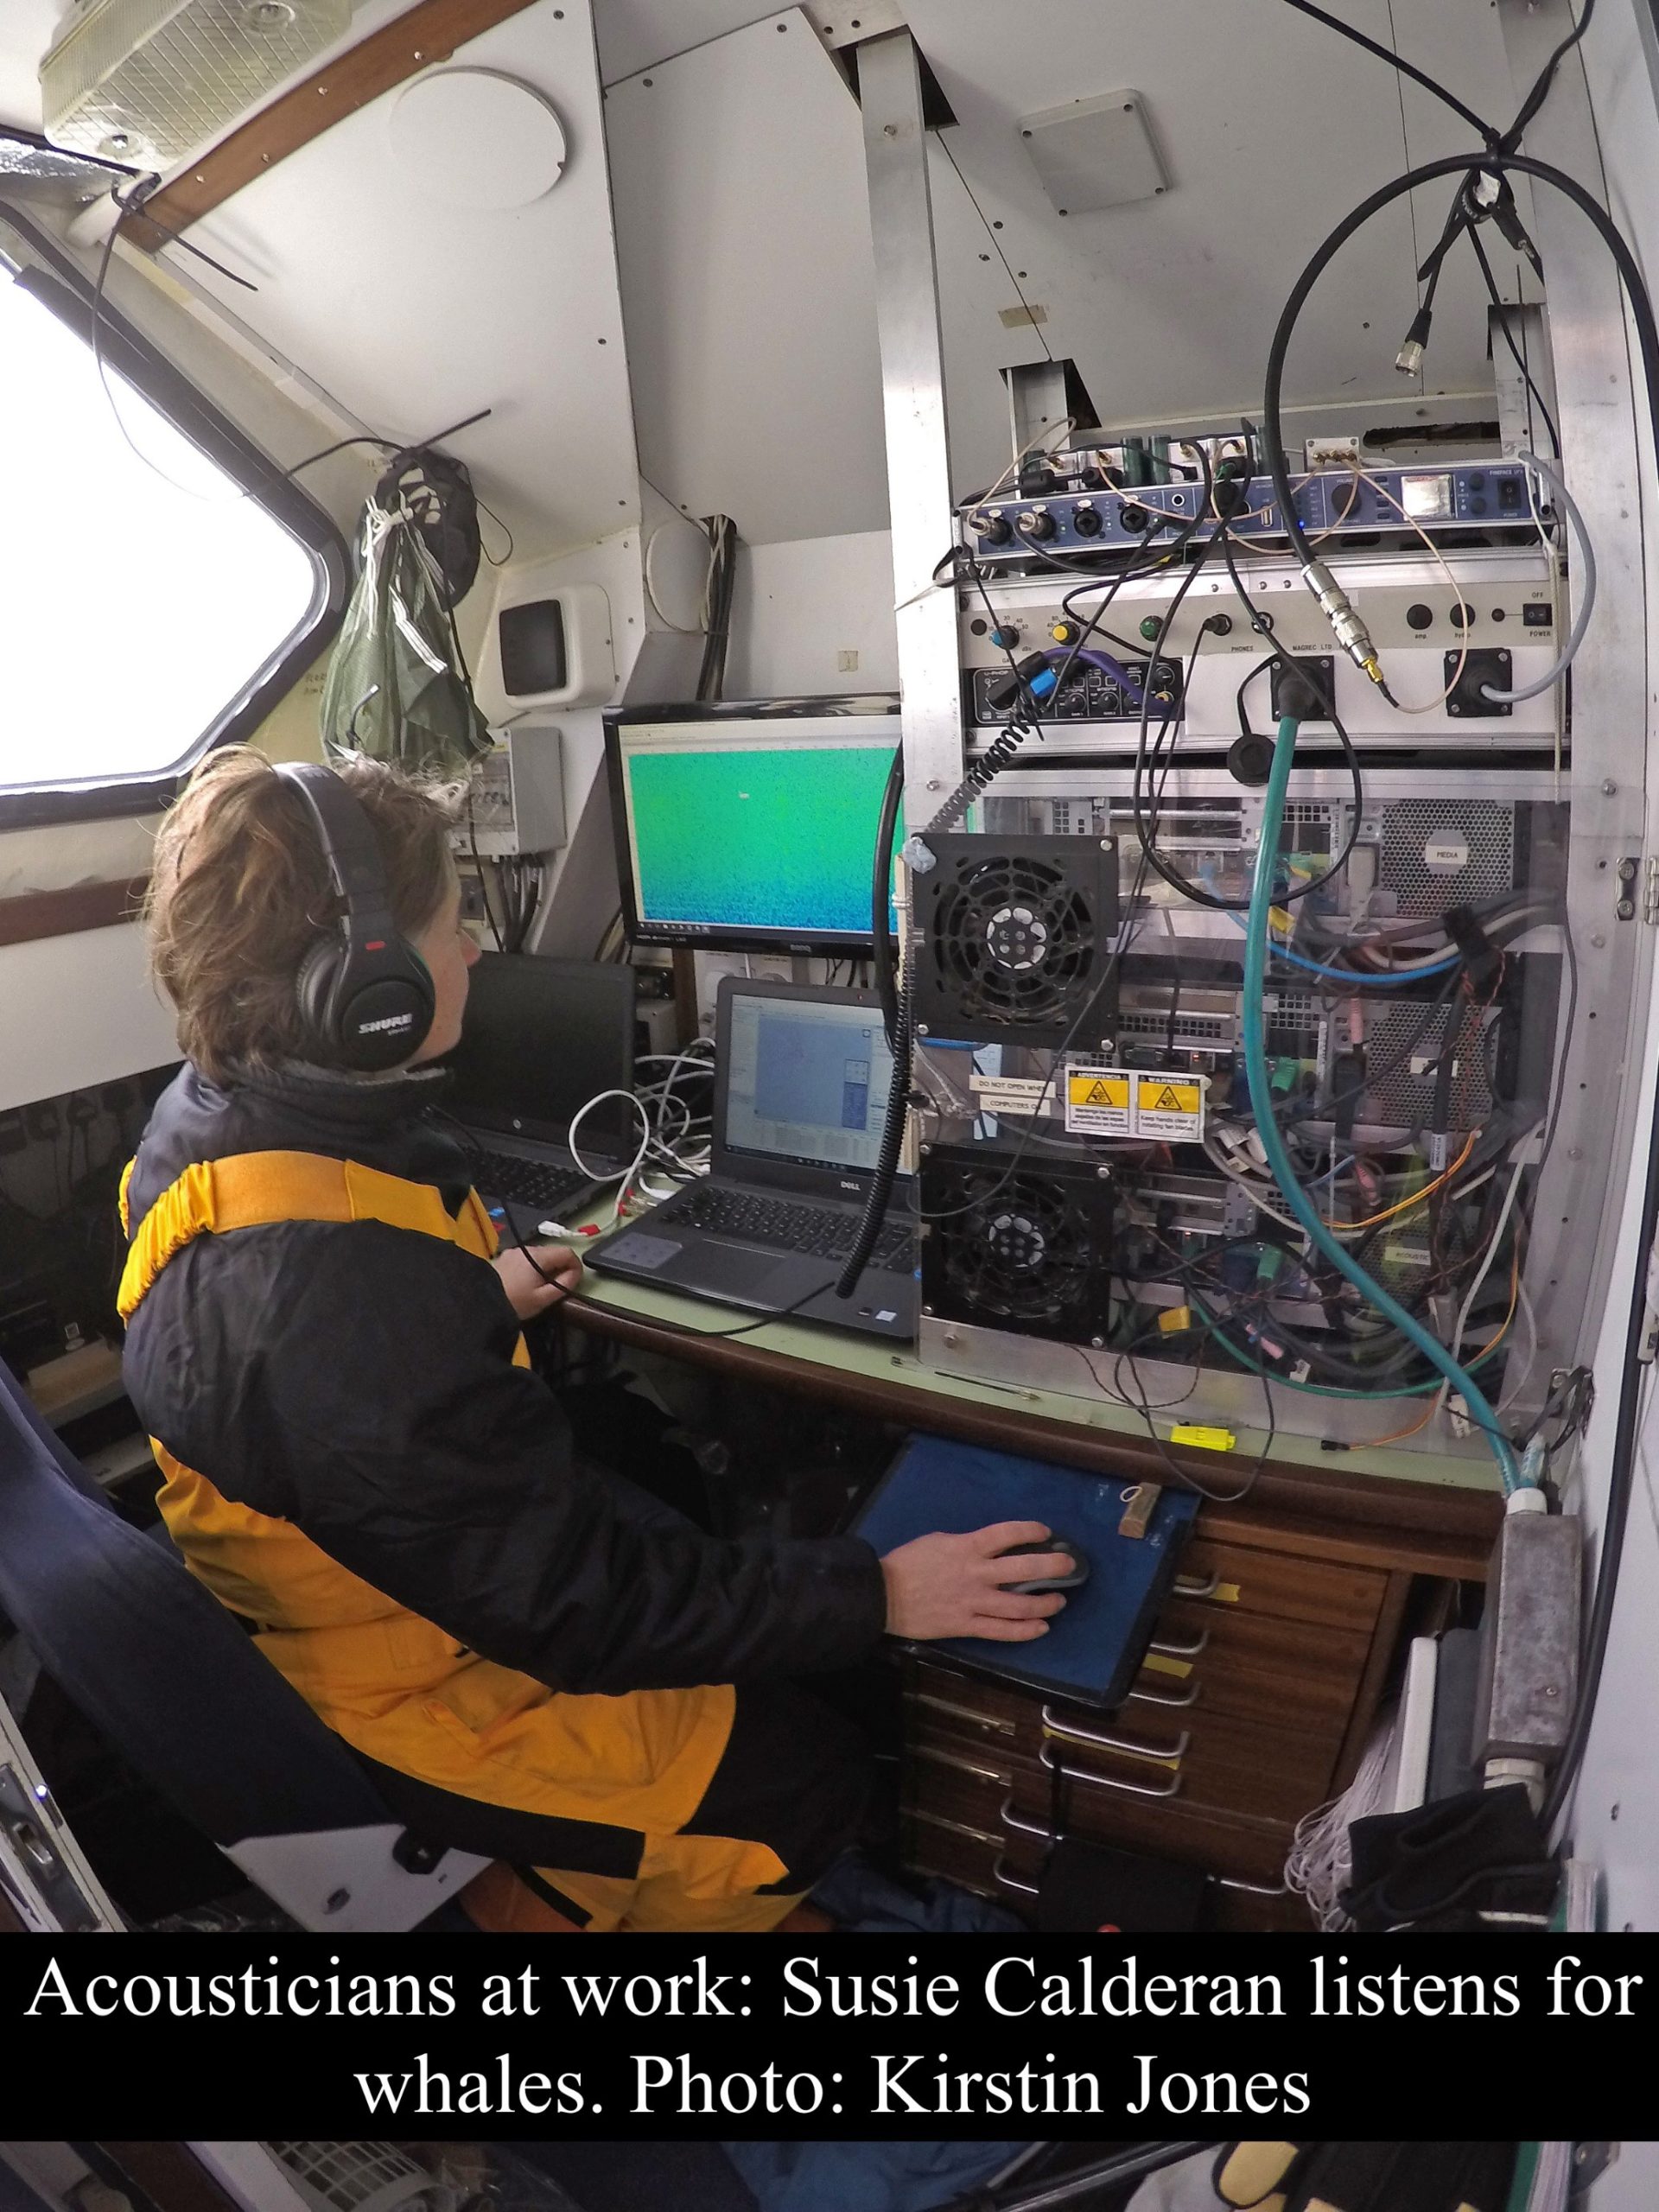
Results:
<point x="394" y="1685"/>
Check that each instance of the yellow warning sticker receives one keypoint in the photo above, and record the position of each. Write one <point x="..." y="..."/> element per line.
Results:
<point x="1097" y="1102"/>
<point x="1168" y="1106"/>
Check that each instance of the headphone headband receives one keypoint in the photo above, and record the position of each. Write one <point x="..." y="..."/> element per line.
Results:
<point x="364" y="991"/>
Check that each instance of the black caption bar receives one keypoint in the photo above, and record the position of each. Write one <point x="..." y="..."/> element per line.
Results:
<point x="218" y="2036"/>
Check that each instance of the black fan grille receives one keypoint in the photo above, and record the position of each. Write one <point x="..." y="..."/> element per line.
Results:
<point x="1013" y="940"/>
<point x="1014" y="1251"/>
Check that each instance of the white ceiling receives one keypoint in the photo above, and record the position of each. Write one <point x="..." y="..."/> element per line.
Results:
<point x="413" y="314"/>
<point x="633" y="34"/>
<point x="747" y="284"/>
<point x="745" y="269"/>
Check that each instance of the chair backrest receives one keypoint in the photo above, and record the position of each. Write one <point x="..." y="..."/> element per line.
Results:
<point x="155" y="1663"/>
<point x="168" y="1676"/>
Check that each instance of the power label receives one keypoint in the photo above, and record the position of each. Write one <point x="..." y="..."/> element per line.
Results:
<point x="1097" y="1102"/>
<point x="1169" y="1107"/>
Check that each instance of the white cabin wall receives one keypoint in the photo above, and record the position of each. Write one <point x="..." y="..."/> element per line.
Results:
<point x="814" y="615"/>
<point x="1615" y="1813"/>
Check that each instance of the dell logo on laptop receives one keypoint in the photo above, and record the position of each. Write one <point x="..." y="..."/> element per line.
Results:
<point x="847" y="1185"/>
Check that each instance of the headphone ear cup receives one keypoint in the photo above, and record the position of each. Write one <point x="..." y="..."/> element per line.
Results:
<point x="315" y="989"/>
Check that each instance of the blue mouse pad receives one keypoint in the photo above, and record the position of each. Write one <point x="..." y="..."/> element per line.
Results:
<point x="1095" y="1645"/>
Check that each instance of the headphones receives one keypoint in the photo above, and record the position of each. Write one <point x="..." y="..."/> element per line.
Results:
<point x="365" y="994"/>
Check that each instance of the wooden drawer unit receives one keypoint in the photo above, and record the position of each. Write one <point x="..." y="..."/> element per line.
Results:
<point x="968" y="1826"/>
<point x="1259" y="1690"/>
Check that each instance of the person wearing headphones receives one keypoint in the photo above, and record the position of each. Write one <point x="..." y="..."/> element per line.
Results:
<point x="534" y="1659"/>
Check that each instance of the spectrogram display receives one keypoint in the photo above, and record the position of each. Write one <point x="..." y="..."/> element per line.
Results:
<point x="776" y="838"/>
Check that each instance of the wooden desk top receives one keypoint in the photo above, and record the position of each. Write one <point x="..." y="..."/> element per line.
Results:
<point x="1438" y="1514"/>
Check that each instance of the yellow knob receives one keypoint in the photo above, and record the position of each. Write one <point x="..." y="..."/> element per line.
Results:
<point x="1063" y="632"/>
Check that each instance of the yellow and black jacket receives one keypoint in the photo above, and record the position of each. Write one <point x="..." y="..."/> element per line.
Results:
<point x="358" y="1464"/>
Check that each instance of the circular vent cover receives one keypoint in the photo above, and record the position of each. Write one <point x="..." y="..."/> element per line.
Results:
<point x="469" y="138"/>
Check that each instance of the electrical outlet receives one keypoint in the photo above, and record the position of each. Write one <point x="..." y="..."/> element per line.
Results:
<point x="82" y="1109"/>
<point x="43" y="1121"/>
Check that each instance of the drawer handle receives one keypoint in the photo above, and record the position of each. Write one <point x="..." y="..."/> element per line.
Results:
<point x="1194" y="1586"/>
<point x="960" y="1766"/>
<point x="1020" y="1825"/>
<point x="953" y="1827"/>
<point x="1159" y="1755"/>
<point x="1252" y="1889"/>
<point x="1105" y="1781"/>
<point x="961" y="1711"/>
<point x="1004" y="1880"/>
<point x="1171" y="1649"/>
<point x="1188" y="1696"/>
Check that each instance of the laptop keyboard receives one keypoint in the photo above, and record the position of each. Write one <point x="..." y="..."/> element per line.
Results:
<point x="529" y="1182"/>
<point x="821" y="1232"/>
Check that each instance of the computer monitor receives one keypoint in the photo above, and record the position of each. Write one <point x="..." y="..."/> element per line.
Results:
<point x="750" y="827"/>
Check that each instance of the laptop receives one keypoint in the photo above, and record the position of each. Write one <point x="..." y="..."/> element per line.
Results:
<point x="800" y="1095"/>
<point x="541" y="1038"/>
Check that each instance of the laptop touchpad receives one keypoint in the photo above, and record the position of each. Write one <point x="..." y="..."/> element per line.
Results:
<point x="742" y="1272"/>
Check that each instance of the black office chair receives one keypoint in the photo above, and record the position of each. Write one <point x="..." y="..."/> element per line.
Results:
<point x="168" y="1676"/>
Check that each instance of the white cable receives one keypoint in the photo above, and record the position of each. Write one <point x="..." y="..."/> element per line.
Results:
<point x="1522" y="1367"/>
<point x="1468" y="1306"/>
<point x="1586" y="606"/>
<point x="1383" y="492"/>
<point x="1319" y="1863"/>
<point x="622" y="1176"/>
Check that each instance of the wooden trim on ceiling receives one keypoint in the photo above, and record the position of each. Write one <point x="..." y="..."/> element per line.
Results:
<point x="428" y="33"/>
<point x="64" y="914"/>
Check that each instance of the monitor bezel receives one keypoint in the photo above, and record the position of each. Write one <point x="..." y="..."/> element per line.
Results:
<point x="872" y="706"/>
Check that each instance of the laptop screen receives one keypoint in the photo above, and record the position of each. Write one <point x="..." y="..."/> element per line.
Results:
<point x="540" y="1038"/>
<point x="807" y="1081"/>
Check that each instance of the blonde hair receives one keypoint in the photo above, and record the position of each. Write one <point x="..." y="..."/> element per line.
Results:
<point x="240" y="891"/>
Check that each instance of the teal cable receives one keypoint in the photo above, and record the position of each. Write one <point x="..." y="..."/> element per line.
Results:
<point x="1317" y="1389"/>
<point x="1256" y="945"/>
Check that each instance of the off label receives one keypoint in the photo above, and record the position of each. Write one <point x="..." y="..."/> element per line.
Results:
<point x="1168" y="1106"/>
<point x="1097" y="1102"/>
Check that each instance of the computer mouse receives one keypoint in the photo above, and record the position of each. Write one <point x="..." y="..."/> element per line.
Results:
<point x="1078" y="1574"/>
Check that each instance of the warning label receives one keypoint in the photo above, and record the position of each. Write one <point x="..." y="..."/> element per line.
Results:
<point x="1170" y="1107"/>
<point x="1097" y="1102"/>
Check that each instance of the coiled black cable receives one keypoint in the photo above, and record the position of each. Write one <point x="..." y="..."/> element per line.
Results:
<point x="900" y="1036"/>
<point x="883" y="951"/>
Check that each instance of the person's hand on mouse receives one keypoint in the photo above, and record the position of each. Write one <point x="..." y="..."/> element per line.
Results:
<point x="956" y="1585"/>
<point x="537" y="1277"/>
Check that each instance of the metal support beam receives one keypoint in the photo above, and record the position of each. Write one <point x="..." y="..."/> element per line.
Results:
<point x="913" y="385"/>
<point x="1523" y="353"/>
<point x="1573" y="1240"/>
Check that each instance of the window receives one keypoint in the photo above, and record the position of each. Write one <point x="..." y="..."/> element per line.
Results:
<point x="160" y="588"/>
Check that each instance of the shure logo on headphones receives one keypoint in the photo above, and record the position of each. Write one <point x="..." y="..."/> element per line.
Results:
<point x="386" y="1021"/>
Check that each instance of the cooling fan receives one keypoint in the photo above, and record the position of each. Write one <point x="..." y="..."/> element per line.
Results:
<point x="1016" y="1244"/>
<point x="1016" y="934"/>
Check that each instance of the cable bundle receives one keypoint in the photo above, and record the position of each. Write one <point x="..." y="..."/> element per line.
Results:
<point x="1319" y="1864"/>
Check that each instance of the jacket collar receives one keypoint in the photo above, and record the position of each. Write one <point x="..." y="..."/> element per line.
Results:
<point x="380" y="1120"/>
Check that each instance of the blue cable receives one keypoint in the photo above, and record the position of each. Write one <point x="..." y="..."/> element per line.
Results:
<point x="1257" y="946"/>
<point x="1353" y="975"/>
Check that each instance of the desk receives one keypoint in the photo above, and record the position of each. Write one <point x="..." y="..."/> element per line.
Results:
<point x="1267" y="1666"/>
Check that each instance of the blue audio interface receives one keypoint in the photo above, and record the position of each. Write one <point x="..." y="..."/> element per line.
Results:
<point x="1473" y="497"/>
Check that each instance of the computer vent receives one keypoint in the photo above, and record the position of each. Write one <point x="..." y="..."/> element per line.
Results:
<point x="1469" y="842"/>
<point x="145" y="81"/>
